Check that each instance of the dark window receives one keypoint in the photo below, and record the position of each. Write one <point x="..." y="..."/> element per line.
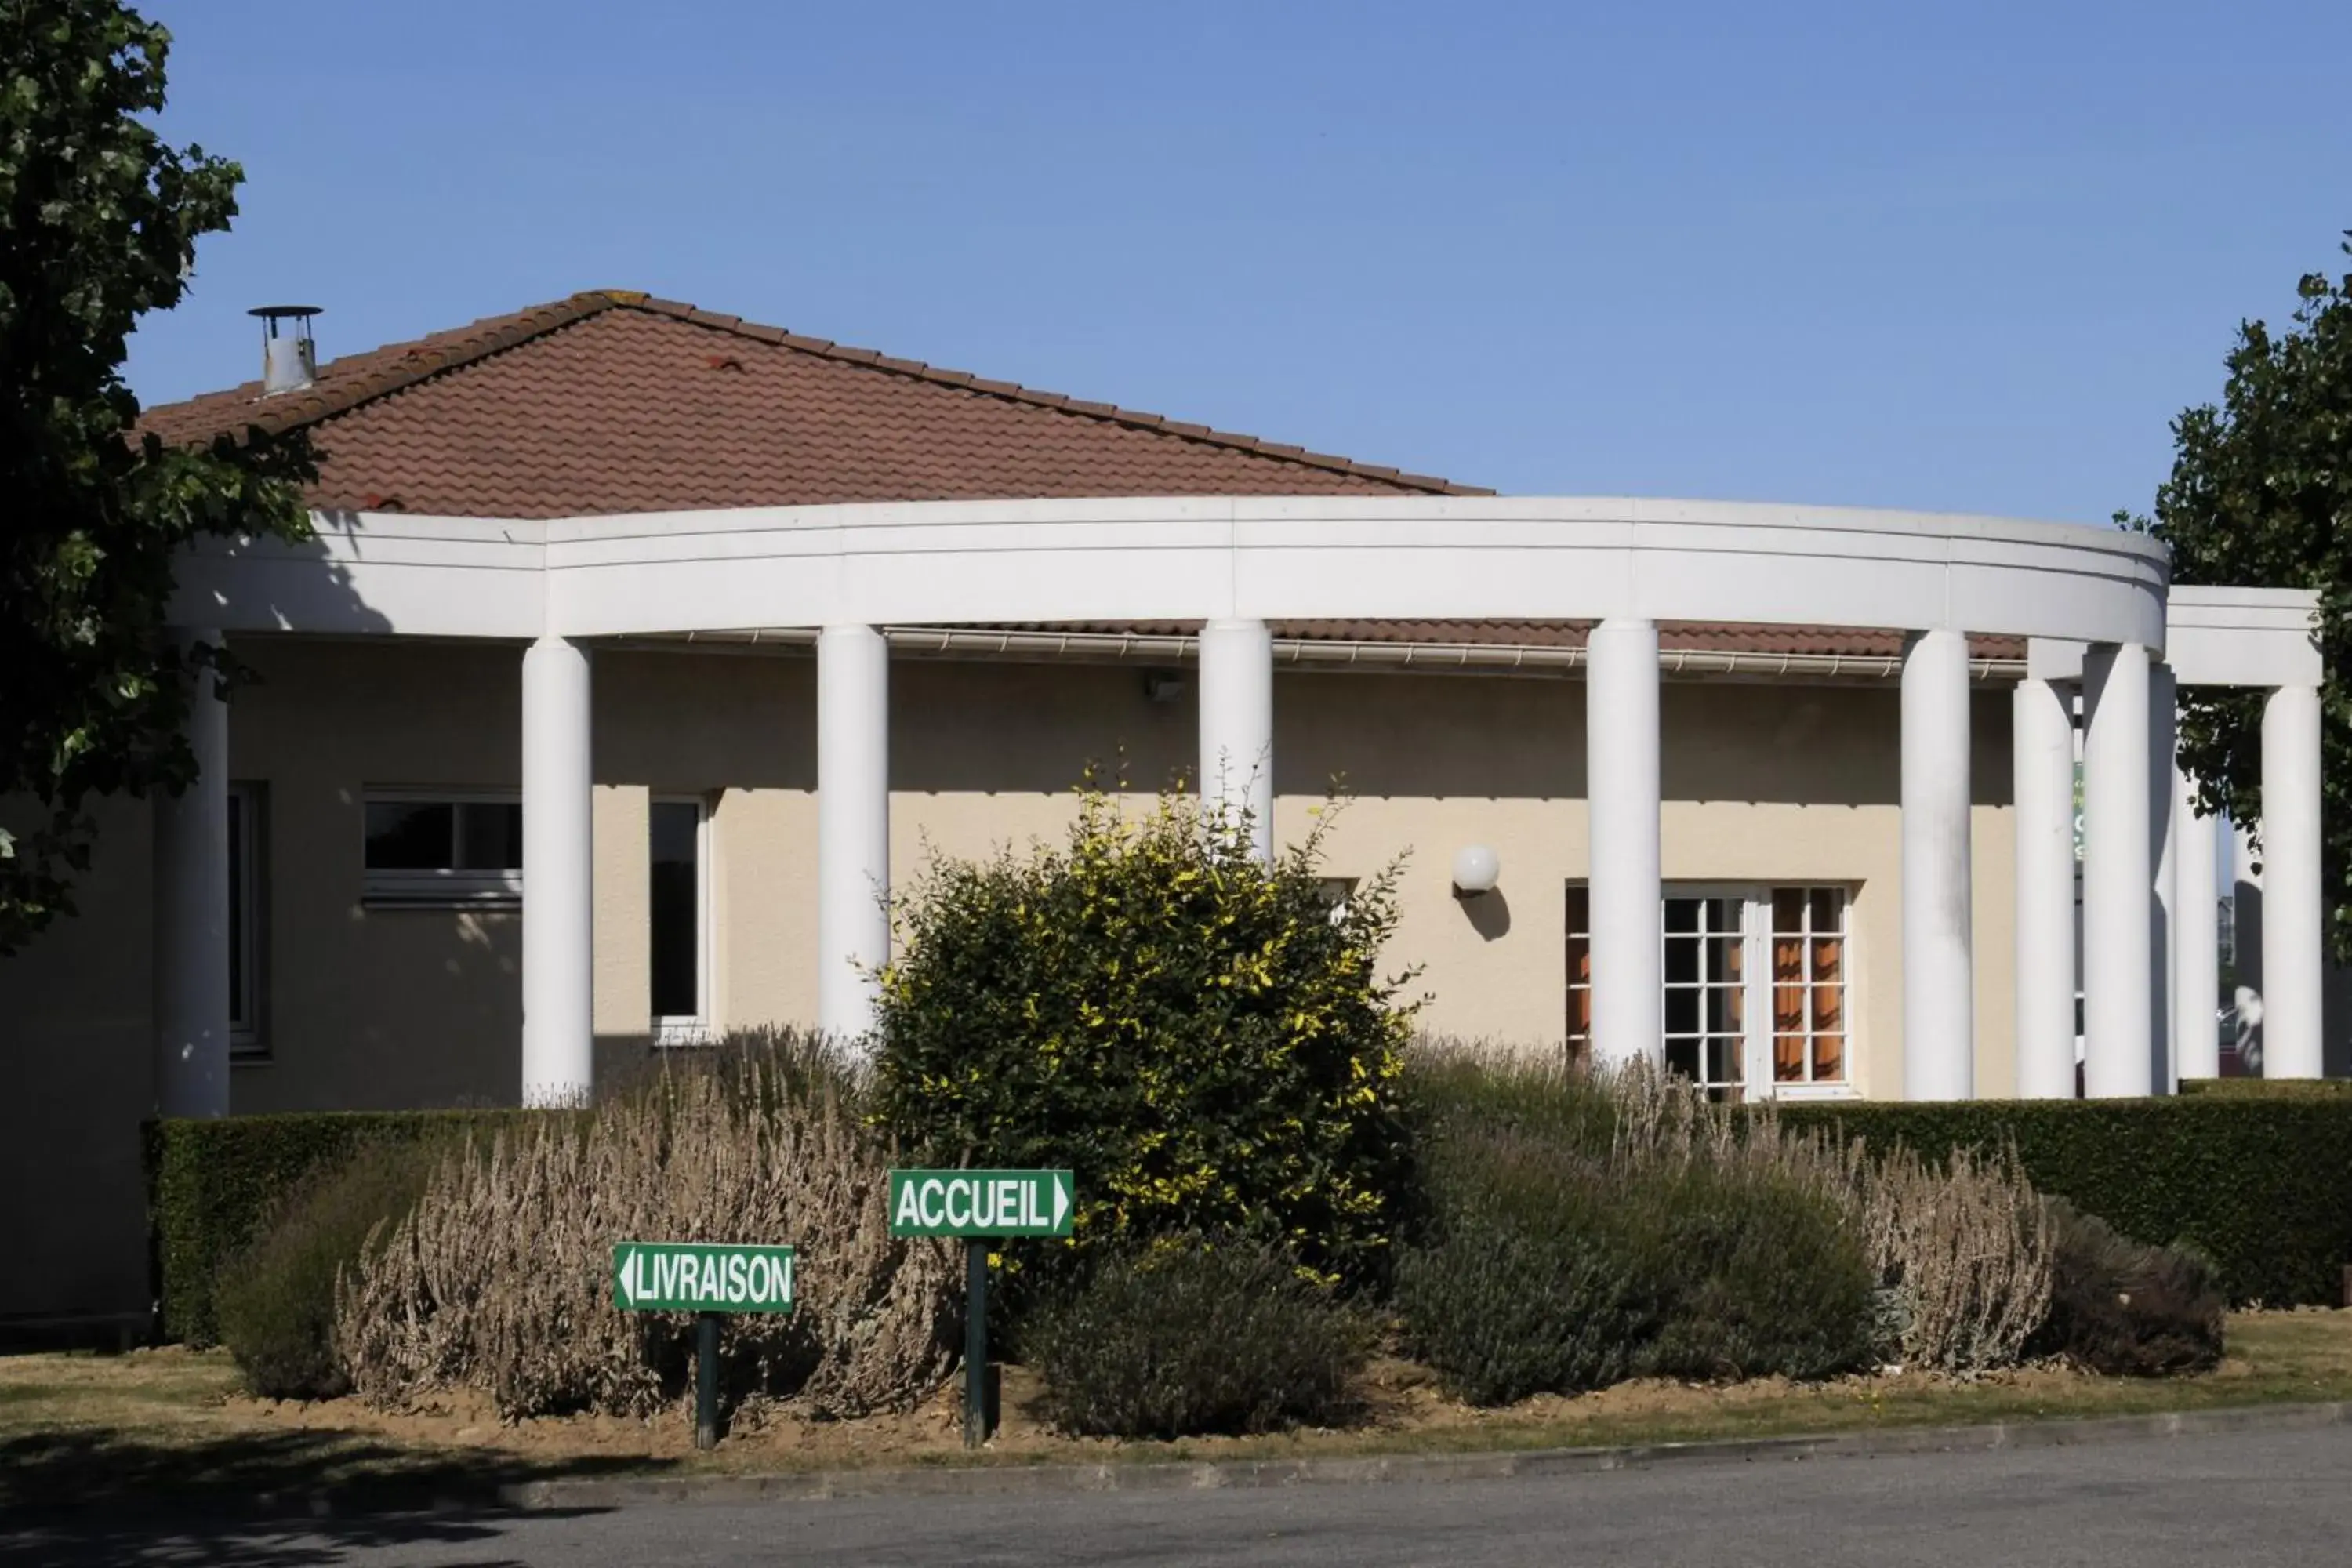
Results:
<point x="247" y="945"/>
<point x="428" y="849"/>
<point x="239" y="899"/>
<point x="676" y="909"/>
<point x="411" y="836"/>
<point x="489" y="835"/>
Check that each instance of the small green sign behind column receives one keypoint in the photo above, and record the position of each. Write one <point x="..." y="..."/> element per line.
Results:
<point x="701" y="1277"/>
<point x="982" y="1203"/>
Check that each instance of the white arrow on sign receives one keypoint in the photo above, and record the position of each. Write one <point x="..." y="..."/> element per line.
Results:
<point x="629" y="1276"/>
<point x="1061" y="1202"/>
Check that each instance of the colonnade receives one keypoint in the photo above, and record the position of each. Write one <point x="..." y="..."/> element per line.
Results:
<point x="2148" y="876"/>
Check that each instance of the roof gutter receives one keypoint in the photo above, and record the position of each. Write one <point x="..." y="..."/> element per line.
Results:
<point x="1492" y="658"/>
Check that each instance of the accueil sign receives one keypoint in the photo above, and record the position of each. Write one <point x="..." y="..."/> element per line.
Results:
<point x="980" y="1203"/>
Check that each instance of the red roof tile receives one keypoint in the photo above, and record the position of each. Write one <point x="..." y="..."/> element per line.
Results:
<point x="611" y="402"/>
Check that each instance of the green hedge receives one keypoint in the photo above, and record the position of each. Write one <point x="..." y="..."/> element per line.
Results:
<point x="210" y="1182"/>
<point x="2260" y="1181"/>
<point x="2269" y="1088"/>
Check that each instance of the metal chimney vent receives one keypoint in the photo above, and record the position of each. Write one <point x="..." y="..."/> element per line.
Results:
<point x="289" y="361"/>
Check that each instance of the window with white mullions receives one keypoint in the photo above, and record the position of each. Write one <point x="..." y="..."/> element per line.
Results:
<point x="1809" y="986"/>
<point x="1756" y="986"/>
<point x="678" y="921"/>
<point x="1579" y="974"/>
<point x="1706" y="970"/>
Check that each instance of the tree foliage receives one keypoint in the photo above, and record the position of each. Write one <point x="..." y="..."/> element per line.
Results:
<point x="2260" y="494"/>
<point x="99" y="220"/>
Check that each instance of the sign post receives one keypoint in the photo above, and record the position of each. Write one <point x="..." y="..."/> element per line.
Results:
<point x="705" y="1278"/>
<point x="979" y="1207"/>
<point x="975" y="1342"/>
<point x="706" y="1379"/>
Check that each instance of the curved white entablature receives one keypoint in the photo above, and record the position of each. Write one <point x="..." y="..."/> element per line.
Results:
<point x="1187" y="558"/>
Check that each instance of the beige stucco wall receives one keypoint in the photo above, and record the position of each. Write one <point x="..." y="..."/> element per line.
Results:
<point x="1762" y="783"/>
<point x="383" y="1007"/>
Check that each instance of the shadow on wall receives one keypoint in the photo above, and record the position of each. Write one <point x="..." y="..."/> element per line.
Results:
<point x="696" y="719"/>
<point x="1033" y="728"/>
<point x="394" y="1009"/>
<point x="1811" y="745"/>
<point x="2336" y="1015"/>
<point x="1460" y="737"/>
<point x="1489" y="913"/>
<point x="1429" y="736"/>
<point x="75" y="1003"/>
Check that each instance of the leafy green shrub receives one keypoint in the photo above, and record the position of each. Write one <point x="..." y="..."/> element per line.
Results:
<point x="1532" y="1282"/>
<point x="2257" y="1180"/>
<point x="1466" y="1086"/>
<point x="2125" y="1308"/>
<point x="276" y="1296"/>
<point x="1580" y="1232"/>
<point x="1196" y="1336"/>
<point x="211" y="1182"/>
<point x="1200" y="1038"/>
<point x="1764" y="1277"/>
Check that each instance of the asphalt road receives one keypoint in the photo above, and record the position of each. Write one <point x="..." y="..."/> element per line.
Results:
<point x="2269" y="1498"/>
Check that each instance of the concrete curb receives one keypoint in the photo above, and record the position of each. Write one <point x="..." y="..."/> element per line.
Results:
<point x="1029" y="1480"/>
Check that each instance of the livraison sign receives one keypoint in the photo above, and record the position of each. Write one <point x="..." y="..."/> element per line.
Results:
<point x="701" y="1277"/>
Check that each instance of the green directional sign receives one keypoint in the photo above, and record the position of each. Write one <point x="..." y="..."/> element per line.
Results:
<point x="701" y="1277"/>
<point x="982" y="1203"/>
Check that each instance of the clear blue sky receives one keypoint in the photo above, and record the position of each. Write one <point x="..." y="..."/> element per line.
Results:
<point x="1967" y="257"/>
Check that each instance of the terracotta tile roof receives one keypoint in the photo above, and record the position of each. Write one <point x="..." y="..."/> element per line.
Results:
<point x="612" y="401"/>
<point x="1674" y="636"/>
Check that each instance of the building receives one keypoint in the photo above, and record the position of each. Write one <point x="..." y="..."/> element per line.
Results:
<point x="640" y="650"/>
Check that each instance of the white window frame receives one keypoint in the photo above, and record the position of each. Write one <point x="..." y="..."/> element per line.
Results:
<point x="445" y="888"/>
<point x="696" y="1029"/>
<point x="248" y="1036"/>
<point x="1750" y="950"/>
<point x="1842" y="1087"/>
<point x="1578" y="1042"/>
<point x="1755" y="933"/>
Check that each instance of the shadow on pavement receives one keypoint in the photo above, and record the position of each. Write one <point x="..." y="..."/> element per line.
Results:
<point x="270" y="1499"/>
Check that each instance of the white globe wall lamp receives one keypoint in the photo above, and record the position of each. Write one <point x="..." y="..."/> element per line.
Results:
<point x="1475" y="870"/>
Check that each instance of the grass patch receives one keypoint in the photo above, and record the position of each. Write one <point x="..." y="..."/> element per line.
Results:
<point x="78" y="1430"/>
<point x="109" y="1429"/>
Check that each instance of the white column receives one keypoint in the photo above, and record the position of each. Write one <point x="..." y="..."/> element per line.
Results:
<point x="2041" y="751"/>
<point x="558" y="891"/>
<point x="2196" y="936"/>
<point x="1237" y="725"/>
<point x="1621" y="768"/>
<point x="1939" y="986"/>
<point x="853" y="826"/>
<point x="2163" y="742"/>
<point x="190" y="911"/>
<point x="2117" y="875"/>
<point x="2291" y="903"/>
